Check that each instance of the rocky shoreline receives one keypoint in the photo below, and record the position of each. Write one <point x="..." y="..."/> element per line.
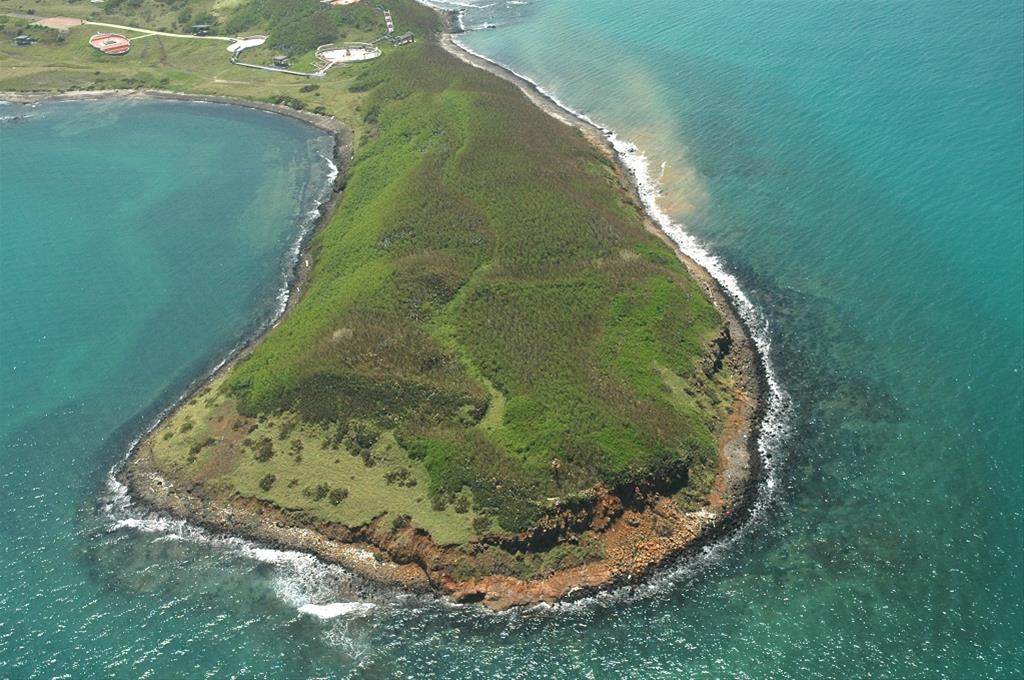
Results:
<point x="638" y="530"/>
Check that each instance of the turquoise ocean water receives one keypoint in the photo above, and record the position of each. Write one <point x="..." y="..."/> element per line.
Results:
<point x="858" y="167"/>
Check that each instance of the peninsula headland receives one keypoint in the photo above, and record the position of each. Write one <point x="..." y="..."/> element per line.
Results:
<point x="496" y="379"/>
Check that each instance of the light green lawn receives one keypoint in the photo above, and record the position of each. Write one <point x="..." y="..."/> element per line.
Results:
<point x="227" y="463"/>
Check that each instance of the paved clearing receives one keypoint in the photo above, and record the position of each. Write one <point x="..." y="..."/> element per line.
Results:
<point x="60" y="23"/>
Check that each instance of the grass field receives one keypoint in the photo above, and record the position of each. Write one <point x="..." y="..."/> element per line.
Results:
<point x="488" y="327"/>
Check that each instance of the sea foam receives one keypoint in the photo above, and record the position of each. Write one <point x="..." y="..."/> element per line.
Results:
<point x="336" y="609"/>
<point x="298" y="579"/>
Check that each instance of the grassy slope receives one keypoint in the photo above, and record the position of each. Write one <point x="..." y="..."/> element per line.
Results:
<point x="481" y="244"/>
<point x="484" y="301"/>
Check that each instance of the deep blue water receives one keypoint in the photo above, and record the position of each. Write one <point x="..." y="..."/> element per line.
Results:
<point x="858" y="166"/>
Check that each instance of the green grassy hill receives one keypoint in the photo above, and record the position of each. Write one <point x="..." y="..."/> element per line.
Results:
<point x="488" y="327"/>
<point x="487" y="293"/>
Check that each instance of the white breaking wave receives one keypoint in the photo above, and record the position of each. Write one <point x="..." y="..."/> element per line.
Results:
<point x="332" y="173"/>
<point x="449" y="4"/>
<point x="299" y="580"/>
<point x="335" y="609"/>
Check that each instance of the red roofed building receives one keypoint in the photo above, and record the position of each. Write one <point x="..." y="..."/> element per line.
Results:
<point x="110" y="43"/>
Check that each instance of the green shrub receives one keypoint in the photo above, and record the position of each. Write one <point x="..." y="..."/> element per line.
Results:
<point x="401" y="477"/>
<point x="361" y="434"/>
<point x="286" y="429"/>
<point x="200" y="445"/>
<point x="264" y="450"/>
<point x="290" y="102"/>
<point x="318" y="492"/>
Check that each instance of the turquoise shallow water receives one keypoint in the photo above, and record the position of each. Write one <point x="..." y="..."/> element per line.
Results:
<point x="858" y="166"/>
<point x="139" y="243"/>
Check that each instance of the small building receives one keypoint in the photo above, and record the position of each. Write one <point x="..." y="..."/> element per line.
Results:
<point x="280" y="61"/>
<point x="404" y="39"/>
<point x="201" y="29"/>
<point x="23" y="40"/>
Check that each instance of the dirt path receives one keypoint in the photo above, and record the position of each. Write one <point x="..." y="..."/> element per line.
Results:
<point x="149" y="32"/>
<point x="63" y="23"/>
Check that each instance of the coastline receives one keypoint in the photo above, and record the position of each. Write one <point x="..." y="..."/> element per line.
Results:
<point x="742" y="467"/>
<point x="665" y="532"/>
<point x="324" y="123"/>
<point x="638" y="540"/>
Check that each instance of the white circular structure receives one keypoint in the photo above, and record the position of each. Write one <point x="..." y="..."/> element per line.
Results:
<point x="347" y="53"/>
<point x="240" y="44"/>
